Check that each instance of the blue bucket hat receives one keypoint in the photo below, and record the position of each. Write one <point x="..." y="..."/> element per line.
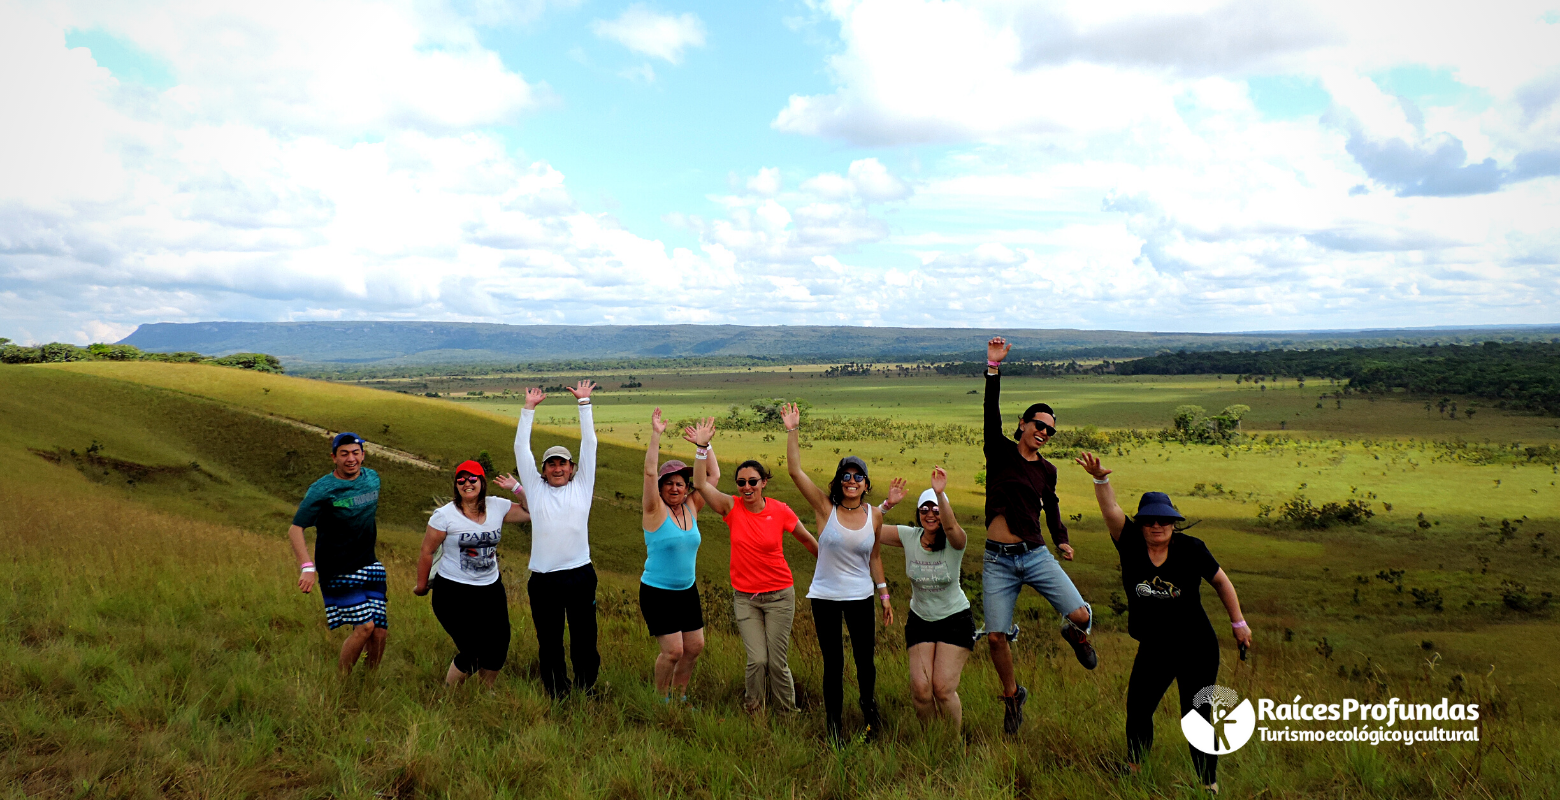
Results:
<point x="345" y="438"/>
<point x="1157" y="504"/>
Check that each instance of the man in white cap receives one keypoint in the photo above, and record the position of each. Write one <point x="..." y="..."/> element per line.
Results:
<point x="563" y="582"/>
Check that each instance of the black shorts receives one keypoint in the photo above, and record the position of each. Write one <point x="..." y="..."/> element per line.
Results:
<point x="670" y="610"/>
<point x="957" y="630"/>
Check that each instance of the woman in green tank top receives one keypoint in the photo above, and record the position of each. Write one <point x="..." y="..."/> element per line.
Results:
<point x="940" y="631"/>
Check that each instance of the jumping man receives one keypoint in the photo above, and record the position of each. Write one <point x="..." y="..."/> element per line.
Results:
<point x="1020" y="486"/>
<point x="340" y="507"/>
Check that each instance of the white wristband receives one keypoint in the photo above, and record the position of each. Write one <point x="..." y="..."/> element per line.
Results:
<point x="584" y="401"/>
<point x="700" y="455"/>
<point x="882" y="586"/>
<point x="1101" y="481"/>
<point x="307" y="569"/>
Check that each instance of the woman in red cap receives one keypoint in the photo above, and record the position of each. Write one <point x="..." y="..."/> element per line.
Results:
<point x="668" y="596"/>
<point x="468" y="596"/>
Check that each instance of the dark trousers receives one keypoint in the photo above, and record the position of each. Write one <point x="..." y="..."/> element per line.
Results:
<point x="858" y="615"/>
<point x="556" y="596"/>
<point x="1192" y="665"/>
<point x="477" y="618"/>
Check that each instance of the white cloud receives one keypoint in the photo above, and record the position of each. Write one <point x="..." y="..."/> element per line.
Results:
<point x="766" y="182"/>
<point x="867" y="179"/>
<point x="651" y="33"/>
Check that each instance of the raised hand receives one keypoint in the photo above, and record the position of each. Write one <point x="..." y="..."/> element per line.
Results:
<point x="582" y="391"/>
<point x="997" y="349"/>
<point x="508" y="483"/>
<point x="1091" y="464"/>
<point x="701" y="433"/>
<point x="790" y="416"/>
<point x="896" y="491"/>
<point x="534" y="396"/>
<point x="656" y="423"/>
<point x="939" y="480"/>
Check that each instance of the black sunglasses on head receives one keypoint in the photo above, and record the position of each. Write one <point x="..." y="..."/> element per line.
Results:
<point x="748" y="481"/>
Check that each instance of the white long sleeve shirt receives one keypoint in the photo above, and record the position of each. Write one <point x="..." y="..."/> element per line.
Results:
<point x="560" y="515"/>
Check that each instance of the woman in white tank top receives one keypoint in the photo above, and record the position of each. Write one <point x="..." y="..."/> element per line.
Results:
<point x="850" y="563"/>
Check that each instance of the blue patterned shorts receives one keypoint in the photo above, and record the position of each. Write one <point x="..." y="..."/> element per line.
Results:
<point x="356" y="597"/>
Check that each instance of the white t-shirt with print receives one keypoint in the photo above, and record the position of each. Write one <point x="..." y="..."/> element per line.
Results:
<point x="470" y="550"/>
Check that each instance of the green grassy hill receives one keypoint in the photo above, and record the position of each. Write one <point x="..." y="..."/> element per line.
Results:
<point x="155" y="644"/>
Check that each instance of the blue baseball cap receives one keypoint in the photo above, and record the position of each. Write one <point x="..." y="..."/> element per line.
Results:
<point x="1157" y="504"/>
<point x="345" y="438"/>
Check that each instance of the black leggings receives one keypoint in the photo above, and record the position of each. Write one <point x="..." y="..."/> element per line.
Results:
<point x="477" y="618"/>
<point x="555" y="596"/>
<point x="1192" y="665"/>
<point x="859" y="617"/>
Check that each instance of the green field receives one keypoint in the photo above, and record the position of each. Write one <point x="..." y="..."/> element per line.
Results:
<point x="156" y="646"/>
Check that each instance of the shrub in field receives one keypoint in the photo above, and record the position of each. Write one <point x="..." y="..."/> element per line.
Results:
<point x="1303" y="513"/>
<point x="1194" y="424"/>
<point x="1516" y="598"/>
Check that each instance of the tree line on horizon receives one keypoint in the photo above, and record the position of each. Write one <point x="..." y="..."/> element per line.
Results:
<point x="61" y="352"/>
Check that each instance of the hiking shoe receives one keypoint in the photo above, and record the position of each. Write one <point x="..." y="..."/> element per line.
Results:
<point x="1080" y="645"/>
<point x="1013" y="717"/>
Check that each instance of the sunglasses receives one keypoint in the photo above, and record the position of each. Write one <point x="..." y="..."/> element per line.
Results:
<point x="853" y="477"/>
<point x="929" y="510"/>
<point x="1158" y="522"/>
<point x="749" y="481"/>
<point x="464" y="481"/>
<point x="1050" y="430"/>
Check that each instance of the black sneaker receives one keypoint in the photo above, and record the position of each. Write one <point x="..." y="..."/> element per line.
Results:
<point x="1080" y="645"/>
<point x="874" y="724"/>
<point x="1013" y="718"/>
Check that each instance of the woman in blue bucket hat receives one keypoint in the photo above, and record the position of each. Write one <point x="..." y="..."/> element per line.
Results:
<point x="1162" y="570"/>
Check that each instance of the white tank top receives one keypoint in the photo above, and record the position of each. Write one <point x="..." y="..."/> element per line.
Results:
<point x="844" y="569"/>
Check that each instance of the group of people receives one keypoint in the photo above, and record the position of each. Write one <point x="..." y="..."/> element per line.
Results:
<point x="1161" y="570"/>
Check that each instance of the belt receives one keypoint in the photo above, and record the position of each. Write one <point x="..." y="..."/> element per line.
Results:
<point x="1011" y="548"/>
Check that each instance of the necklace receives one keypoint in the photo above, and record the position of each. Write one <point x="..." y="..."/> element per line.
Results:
<point x="682" y="519"/>
<point x="850" y="508"/>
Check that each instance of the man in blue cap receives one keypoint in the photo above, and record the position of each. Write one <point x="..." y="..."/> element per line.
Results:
<point x="341" y="507"/>
<point x="1020" y="489"/>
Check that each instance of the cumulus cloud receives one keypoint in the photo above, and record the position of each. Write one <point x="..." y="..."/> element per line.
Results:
<point x="653" y="34"/>
<point x="867" y="179"/>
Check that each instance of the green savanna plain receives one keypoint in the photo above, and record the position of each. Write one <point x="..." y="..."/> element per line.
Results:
<point x="156" y="645"/>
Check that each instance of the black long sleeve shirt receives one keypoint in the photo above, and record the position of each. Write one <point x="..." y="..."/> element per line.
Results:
<point x="1017" y="489"/>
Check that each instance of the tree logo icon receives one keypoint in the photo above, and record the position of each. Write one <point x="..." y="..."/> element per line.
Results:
<point x="1228" y="726"/>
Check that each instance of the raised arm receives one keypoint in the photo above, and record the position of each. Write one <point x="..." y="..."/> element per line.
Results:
<point x="586" y="469"/>
<point x="1115" y="518"/>
<point x="1221" y="584"/>
<point x="651" y="505"/>
<point x="712" y="468"/>
<point x="525" y="461"/>
<point x="792" y="417"/>
<point x="700" y="435"/>
<point x="509" y="484"/>
<point x="996" y="350"/>
<point x="886" y="533"/>
<point x="432" y="538"/>
<point x="957" y="538"/>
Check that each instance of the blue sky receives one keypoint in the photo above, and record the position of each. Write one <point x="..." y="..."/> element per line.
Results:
<point x="1146" y="166"/>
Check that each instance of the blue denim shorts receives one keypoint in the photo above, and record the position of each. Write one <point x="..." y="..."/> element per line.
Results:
<point x="1006" y="575"/>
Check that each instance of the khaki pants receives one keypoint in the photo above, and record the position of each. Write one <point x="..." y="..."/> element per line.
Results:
<point x="764" y="621"/>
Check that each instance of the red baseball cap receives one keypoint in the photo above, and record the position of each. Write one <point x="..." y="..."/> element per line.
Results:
<point x="471" y="467"/>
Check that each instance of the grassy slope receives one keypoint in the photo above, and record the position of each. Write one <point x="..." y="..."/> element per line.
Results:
<point x="172" y="658"/>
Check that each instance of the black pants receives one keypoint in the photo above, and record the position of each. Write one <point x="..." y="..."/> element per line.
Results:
<point x="477" y="618"/>
<point x="858" y="615"/>
<point x="1193" y="665"/>
<point x="555" y="596"/>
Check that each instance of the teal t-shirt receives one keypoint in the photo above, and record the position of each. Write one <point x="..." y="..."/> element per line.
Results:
<point x="342" y="514"/>
<point x="935" y="592"/>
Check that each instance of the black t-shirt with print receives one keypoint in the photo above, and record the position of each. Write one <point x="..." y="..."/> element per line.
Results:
<point x="1165" y="602"/>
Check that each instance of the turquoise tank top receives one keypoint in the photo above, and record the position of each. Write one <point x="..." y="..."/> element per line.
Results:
<point x="671" y="554"/>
